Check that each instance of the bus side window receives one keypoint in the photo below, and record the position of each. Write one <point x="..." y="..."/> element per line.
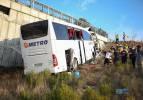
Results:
<point x="78" y="34"/>
<point x="60" y="31"/>
<point x="71" y="33"/>
<point x="81" y="34"/>
<point x="86" y="35"/>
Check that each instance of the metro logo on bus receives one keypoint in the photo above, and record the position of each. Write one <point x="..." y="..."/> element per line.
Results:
<point x="32" y="44"/>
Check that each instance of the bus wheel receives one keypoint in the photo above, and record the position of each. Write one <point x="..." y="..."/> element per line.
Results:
<point x="75" y="63"/>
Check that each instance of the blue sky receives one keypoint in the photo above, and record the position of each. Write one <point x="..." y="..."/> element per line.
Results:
<point x="114" y="16"/>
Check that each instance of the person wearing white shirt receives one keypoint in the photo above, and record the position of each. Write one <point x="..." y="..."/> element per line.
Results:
<point x="107" y="58"/>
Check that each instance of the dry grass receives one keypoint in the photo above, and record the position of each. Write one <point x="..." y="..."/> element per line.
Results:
<point x="96" y="81"/>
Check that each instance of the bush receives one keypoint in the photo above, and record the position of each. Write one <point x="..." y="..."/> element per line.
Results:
<point x="63" y="93"/>
<point x="136" y="86"/>
<point x="76" y="83"/>
<point x="25" y="95"/>
<point x="125" y="81"/>
<point x="57" y="80"/>
<point x="105" y="89"/>
<point x="130" y="98"/>
<point x="65" y="77"/>
<point x="34" y="79"/>
<point x="91" y="94"/>
<point x="67" y="93"/>
<point x="121" y="68"/>
<point x="46" y="74"/>
<point x="52" y="81"/>
<point x="119" y="63"/>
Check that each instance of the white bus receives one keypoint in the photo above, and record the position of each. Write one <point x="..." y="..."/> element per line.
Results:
<point x="56" y="46"/>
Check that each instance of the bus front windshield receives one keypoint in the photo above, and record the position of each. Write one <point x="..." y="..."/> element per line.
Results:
<point x="34" y="30"/>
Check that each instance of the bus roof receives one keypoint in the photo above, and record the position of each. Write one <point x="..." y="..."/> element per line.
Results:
<point x="70" y="25"/>
<point x="60" y="22"/>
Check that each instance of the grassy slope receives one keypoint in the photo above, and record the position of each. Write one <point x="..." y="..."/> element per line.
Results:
<point x="96" y="83"/>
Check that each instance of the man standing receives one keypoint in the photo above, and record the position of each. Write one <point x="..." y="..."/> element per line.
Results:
<point x="139" y="58"/>
<point x="116" y="55"/>
<point x="124" y="56"/>
<point x="124" y="36"/>
<point x="133" y="56"/>
<point x="107" y="57"/>
<point x="117" y="38"/>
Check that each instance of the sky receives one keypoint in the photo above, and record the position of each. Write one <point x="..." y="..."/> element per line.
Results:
<point x="113" y="16"/>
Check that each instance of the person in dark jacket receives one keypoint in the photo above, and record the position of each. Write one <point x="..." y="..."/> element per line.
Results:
<point x="130" y="53"/>
<point x="116" y="56"/>
<point x="133" y="57"/>
<point x="139" y="58"/>
<point x="124" y="56"/>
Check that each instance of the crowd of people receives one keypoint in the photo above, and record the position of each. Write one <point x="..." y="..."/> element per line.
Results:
<point x="124" y="53"/>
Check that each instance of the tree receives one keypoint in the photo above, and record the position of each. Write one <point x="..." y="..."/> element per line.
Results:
<point x="83" y="22"/>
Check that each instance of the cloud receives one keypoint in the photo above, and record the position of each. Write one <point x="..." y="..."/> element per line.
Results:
<point x="86" y="3"/>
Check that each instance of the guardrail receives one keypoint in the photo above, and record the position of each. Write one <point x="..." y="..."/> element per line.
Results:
<point x="55" y="13"/>
<point x="51" y="11"/>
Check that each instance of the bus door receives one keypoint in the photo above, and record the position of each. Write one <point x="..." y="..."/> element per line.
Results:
<point x="84" y="49"/>
<point x="78" y="34"/>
